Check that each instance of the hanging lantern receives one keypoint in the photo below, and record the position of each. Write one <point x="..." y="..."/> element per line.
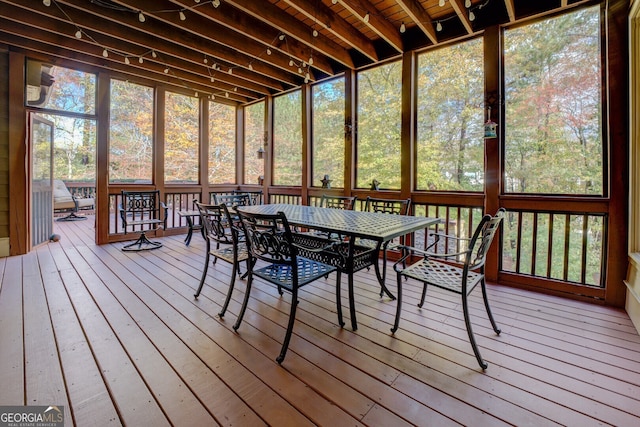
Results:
<point x="261" y="153"/>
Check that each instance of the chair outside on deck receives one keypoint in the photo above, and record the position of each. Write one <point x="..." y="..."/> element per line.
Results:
<point x="140" y="209"/>
<point x="64" y="201"/>
<point x="233" y="200"/>
<point x="457" y="272"/>
<point x="338" y="202"/>
<point x="220" y="228"/>
<point x="269" y="240"/>
<point x="389" y="206"/>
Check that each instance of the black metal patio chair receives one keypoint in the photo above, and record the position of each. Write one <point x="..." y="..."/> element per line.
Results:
<point x="269" y="239"/>
<point x="459" y="272"/>
<point x="221" y="228"/>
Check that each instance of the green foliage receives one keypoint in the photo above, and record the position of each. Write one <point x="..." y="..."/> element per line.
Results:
<point x="287" y="139"/>
<point x="181" y="138"/>
<point x="450" y="137"/>
<point x="553" y="141"/>
<point x="222" y="143"/>
<point x="378" y="126"/>
<point x="253" y="141"/>
<point x="328" y="132"/>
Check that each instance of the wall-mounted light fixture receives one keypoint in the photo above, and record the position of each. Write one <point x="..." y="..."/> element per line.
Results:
<point x="261" y="153"/>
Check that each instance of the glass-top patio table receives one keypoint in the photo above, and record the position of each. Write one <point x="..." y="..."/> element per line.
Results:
<point x="376" y="226"/>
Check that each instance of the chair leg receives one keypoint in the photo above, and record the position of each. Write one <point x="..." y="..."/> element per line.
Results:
<point x="244" y="303"/>
<point x="204" y="275"/>
<point x="424" y="294"/>
<point x="229" y="291"/>
<point x="339" y="299"/>
<point x="398" y="304"/>
<point x="486" y="305"/>
<point x="472" y="340"/>
<point x="292" y="319"/>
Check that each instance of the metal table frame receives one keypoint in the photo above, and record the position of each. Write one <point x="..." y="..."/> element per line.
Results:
<point x="367" y="225"/>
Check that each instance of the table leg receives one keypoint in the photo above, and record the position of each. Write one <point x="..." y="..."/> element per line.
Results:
<point x="187" y="239"/>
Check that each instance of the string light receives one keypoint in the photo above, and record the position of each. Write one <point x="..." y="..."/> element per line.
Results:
<point x="215" y="3"/>
<point x="141" y="60"/>
<point x="467" y="4"/>
<point x="281" y="37"/>
<point x="268" y="51"/>
<point x="334" y="1"/>
<point x="46" y="2"/>
<point x="438" y="26"/>
<point x="291" y="63"/>
<point x="402" y="28"/>
<point x="315" y="33"/>
<point x="182" y="16"/>
<point x="472" y="16"/>
<point x="212" y="79"/>
<point x="105" y="53"/>
<point x="141" y="17"/>
<point x="230" y="70"/>
<point x="250" y="66"/>
<point x="441" y="3"/>
<point x="310" y="60"/>
<point x="79" y="34"/>
<point x="126" y="60"/>
<point x="166" y="70"/>
<point x="366" y="17"/>
<point x="154" y="54"/>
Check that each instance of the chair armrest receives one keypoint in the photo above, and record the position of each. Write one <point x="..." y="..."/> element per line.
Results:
<point x="410" y="250"/>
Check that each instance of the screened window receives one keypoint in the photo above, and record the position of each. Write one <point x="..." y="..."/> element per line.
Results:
<point x="450" y="136"/>
<point x="131" y="133"/>
<point x="181" y="141"/>
<point x="328" y="132"/>
<point x="553" y="139"/>
<point x="222" y="143"/>
<point x="58" y="88"/>
<point x="287" y="139"/>
<point x="253" y="142"/>
<point x="378" y="126"/>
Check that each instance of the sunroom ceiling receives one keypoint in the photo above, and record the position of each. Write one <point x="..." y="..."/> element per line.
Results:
<point x="243" y="50"/>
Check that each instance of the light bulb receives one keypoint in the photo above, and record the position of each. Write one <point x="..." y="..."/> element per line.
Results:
<point x="213" y="97"/>
<point x="306" y="79"/>
<point x="268" y="51"/>
<point x="366" y="17"/>
<point x="212" y="79"/>
<point x="46" y="2"/>
<point x="281" y="36"/>
<point x="439" y="27"/>
<point x="441" y="4"/>
<point x="472" y="16"/>
<point x="310" y="61"/>
<point x="105" y="53"/>
<point x="182" y="16"/>
<point x="315" y="33"/>
<point x="467" y="4"/>
<point x="197" y="1"/>
<point x="79" y="34"/>
<point x="235" y="89"/>
<point x="402" y="28"/>
<point x="291" y="63"/>
<point x="166" y="71"/>
<point x="215" y="3"/>
<point x="226" y="94"/>
<point x="141" y="60"/>
<point x="205" y="60"/>
<point x="299" y="70"/>
<point x="126" y="60"/>
<point x="334" y="1"/>
<point x="195" y="94"/>
<point x="230" y="70"/>
<point x="154" y="54"/>
<point x="250" y="67"/>
<point x="141" y="17"/>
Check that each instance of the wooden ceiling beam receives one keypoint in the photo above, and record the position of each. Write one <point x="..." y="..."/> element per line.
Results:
<point x="383" y="28"/>
<point x="511" y="10"/>
<point x="60" y="56"/>
<point x="324" y="17"/>
<point x="249" y="27"/>
<point x="173" y="41"/>
<point x="287" y="24"/>
<point x="463" y="14"/>
<point x="420" y="17"/>
<point x="52" y="32"/>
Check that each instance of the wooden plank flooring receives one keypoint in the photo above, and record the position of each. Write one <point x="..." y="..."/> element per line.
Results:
<point x="118" y="338"/>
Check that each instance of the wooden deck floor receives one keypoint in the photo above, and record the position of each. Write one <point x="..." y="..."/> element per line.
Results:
<point x="119" y="339"/>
